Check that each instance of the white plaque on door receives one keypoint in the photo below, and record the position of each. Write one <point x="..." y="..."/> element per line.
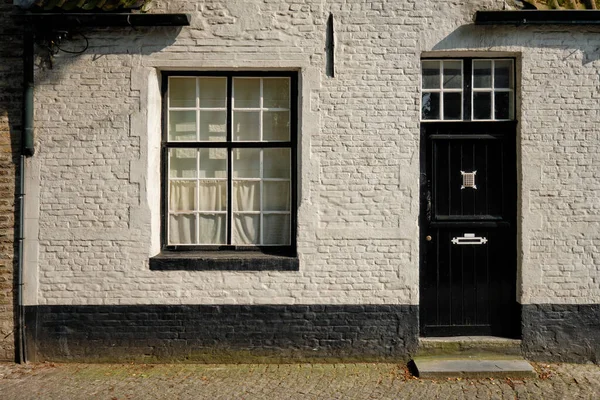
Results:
<point x="469" y="238"/>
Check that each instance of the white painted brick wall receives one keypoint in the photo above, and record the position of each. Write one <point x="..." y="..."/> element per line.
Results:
<point x="359" y="152"/>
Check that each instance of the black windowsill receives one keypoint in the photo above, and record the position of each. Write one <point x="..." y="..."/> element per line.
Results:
<point x="222" y="261"/>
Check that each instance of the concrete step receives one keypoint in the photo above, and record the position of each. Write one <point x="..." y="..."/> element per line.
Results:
<point x="468" y="346"/>
<point x="472" y="367"/>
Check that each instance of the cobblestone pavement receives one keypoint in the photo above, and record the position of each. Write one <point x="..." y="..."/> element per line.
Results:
<point x="273" y="382"/>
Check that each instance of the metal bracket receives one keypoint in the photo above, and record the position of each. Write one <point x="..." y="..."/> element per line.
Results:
<point x="469" y="238"/>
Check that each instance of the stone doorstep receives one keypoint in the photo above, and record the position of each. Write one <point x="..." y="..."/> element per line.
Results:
<point x="469" y="345"/>
<point x="475" y="367"/>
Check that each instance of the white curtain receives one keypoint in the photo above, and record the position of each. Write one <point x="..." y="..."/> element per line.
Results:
<point x="246" y="226"/>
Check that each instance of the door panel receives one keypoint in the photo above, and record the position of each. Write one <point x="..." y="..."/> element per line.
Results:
<point x="468" y="269"/>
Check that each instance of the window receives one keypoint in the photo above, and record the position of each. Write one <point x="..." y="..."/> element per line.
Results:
<point x="229" y="147"/>
<point x="468" y="89"/>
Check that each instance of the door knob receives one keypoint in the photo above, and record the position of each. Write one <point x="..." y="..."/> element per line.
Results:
<point x="428" y="238"/>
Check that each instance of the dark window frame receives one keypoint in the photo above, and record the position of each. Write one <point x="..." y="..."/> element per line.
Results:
<point x="203" y="252"/>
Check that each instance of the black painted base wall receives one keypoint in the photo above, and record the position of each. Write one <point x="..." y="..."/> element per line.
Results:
<point x="554" y="332"/>
<point x="222" y="333"/>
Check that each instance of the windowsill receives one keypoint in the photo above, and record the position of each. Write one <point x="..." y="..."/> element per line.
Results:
<point x="222" y="261"/>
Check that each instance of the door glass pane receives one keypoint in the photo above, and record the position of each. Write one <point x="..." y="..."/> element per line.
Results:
<point x="430" y="106"/>
<point x="276" y="93"/>
<point x="212" y="229"/>
<point x="213" y="163"/>
<point x="182" y="92"/>
<point x="276" y="196"/>
<point x="246" y="229"/>
<point x="213" y="92"/>
<point x="276" y="163"/>
<point x="482" y="74"/>
<point x="213" y="196"/>
<point x="182" y="195"/>
<point x="182" y="163"/>
<point x="246" y="163"/>
<point x="213" y="126"/>
<point x="246" y="93"/>
<point x="246" y="125"/>
<point x="502" y="106"/>
<point x="503" y="74"/>
<point x="246" y="196"/>
<point x="452" y="106"/>
<point x="182" y="229"/>
<point x="452" y="75"/>
<point x="276" y="229"/>
<point x="182" y="125"/>
<point x="482" y="105"/>
<point x="276" y="125"/>
<point x="431" y="74"/>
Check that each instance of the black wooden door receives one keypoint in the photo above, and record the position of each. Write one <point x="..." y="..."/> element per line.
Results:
<point x="468" y="235"/>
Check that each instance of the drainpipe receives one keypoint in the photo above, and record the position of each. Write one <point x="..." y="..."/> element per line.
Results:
<point x="27" y="150"/>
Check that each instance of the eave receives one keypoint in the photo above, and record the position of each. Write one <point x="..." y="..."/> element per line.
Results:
<point x="538" y="17"/>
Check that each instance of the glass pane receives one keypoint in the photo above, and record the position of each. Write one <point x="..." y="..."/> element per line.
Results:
<point x="430" y="106"/>
<point x="182" y="125"/>
<point x="452" y="105"/>
<point x="276" y="125"/>
<point x="246" y="196"/>
<point x="482" y="74"/>
<point x="503" y="74"/>
<point x="182" y="195"/>
<point x="276" y="229"/>
<point x="182" y="229"/>
<point x="276" y="163"/>
<point x="246" y="163"/>
<point x="213" y="92"/>
<point x="431" y="74"/>
<point x="246" y="125"/>
<point x="213" y="126"/>
<point x="276" y="93"/>
<point x="212" y="229"/>
<point x="246" y="229"/>
<point x="452" y="74"/>
<point x="182" y="163"/>
<point x="482" y="105"/>
<point x="182" y="92"/>
<point x="503" y="106"/>
<point x="246" y="93"/>
<point x="213" y="163"/>
<point x="276" y="196"/>
<point x="213" y="196"/>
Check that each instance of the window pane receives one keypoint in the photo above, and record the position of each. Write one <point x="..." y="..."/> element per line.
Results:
<point x="503" y="106"/>
<point x="213" y="92"/>
<point x="276" y="93"/>
<point x="482" y="105"/>
<point x="182" y="163"/>
<point x="213" y="126"/>
<point x="182" y="229"/>
<point x="182" y="196"/>
<point x="246" y="93"/>
<point x="276" y="196"/>
<point x="213" y="163"/>
<point x="276" y="163"/>
<point x="503" y="74"/>
<point x="276" y="125"/>
<point x="246" y="163"/>
<point x="452" y="74"/>
<point x="246" y="196"/>
<point x="430" y="106"/>
<point x="276" y="229"/>
<point x="182" y="125"/>
<point x="431" y="74"/>
<point x="212" y="229"/>
<point x="246" y="125"/>
<point x="452" y="106"/>
<point x="182" y="92"/>
<point x="246" y="229"/>
<point x="213" y="196"/>
<point x="482" y="74"/>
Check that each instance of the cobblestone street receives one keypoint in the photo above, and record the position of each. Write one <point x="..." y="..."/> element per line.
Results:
<point x="273" y="382"/>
